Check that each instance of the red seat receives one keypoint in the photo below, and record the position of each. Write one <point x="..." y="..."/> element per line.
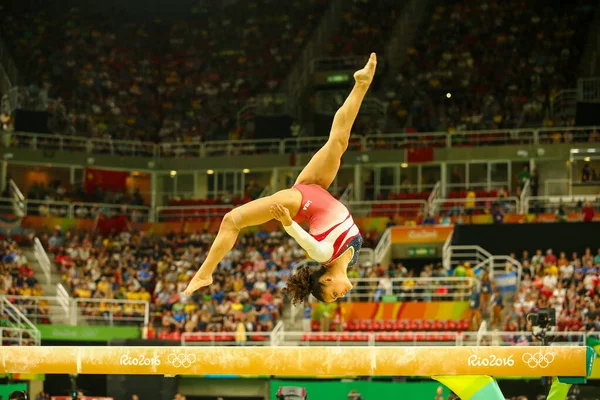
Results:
<point x="388" y="325"/>
<point x="438" y="325"/>
<point x="426" y="325"/>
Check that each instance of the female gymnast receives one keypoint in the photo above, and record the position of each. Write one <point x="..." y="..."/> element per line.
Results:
<point x="334" y="239"/>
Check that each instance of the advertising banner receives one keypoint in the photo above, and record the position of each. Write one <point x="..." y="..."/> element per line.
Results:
<point x="421" y="234"/>
<point x="435" y="310"/>
<point x="97" y="333"/>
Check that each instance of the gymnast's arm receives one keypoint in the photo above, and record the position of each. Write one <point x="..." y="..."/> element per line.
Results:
<point x="318" y="251"/>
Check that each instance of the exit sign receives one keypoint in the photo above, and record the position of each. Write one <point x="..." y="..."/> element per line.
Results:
<point x="338" y="78"/>
<point x="427" y="251"/>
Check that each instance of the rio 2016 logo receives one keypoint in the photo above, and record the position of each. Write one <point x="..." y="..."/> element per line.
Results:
<point x="139" y="361"/>
<point x="490" y="361"/>
<point x="181" y="360"/>
<point x="538" y="359"/>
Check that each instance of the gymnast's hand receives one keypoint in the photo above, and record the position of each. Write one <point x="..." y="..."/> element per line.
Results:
<point x="199" y="280"/>
<point x="366" y="74"/>
<point x="281" y="214"/>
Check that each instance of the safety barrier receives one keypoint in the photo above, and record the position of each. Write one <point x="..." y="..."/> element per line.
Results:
<point x="412" y="289"/>
<point x="39" y="141"/>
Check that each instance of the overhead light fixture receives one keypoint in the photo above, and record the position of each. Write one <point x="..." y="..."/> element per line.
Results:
<point x="173" y="173"/>
<point x="210" y="171"/>
<point x="245" y="170"/>
<point x="587" y="159"/>
<point x="404" y="165"/>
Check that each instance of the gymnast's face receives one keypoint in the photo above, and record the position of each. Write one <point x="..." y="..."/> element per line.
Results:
<point x="336" y="285"/>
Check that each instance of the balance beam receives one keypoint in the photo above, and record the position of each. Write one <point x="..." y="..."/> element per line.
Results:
<point x="297" y="361"/>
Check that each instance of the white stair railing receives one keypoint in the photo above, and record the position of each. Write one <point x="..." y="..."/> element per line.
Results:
<point x="18" y="200"/>
<point x="348" y="194"/>
<point x="277" y="334"/>
<point x="18" y="321"/>
<point x="436" y="193"/>
<point x="383" y="246"/>
<point x="42" y="259"/>
<point x="524" y="198"/>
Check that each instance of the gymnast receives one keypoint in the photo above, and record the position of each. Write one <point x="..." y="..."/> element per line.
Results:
<point x="334" y="240"/>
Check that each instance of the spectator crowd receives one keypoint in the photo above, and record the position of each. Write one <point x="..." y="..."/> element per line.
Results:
<point x="162" y="79"/>
<point x="246" y="295"/>
<point x="489" y="65"/>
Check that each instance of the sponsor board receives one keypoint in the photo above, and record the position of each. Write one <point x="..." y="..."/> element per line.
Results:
<point x="420" y="234"/>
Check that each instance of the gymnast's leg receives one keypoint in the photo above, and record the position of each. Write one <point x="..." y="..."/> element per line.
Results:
<point x="323" y="167"/>
<point x="256" y="212"/>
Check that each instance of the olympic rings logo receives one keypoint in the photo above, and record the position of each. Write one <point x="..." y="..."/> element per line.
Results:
<point x="538" y="359"/>
<point x="181" y="360"/>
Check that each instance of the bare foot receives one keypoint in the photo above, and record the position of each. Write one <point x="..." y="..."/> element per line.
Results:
<point x="198" y="281"/>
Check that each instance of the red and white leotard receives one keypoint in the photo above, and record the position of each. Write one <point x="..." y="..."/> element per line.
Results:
<point x="331" y="227"/>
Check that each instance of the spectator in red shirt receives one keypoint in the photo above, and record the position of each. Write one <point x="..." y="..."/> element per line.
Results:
<point x="588" y="212"/>
<point x="550" y="257"/>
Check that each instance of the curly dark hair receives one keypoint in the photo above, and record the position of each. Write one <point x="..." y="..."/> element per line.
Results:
<point x="304" y="282"/>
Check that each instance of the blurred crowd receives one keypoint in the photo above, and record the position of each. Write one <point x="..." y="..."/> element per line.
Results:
<point x="17" y="281"/>
<point x="489" y="65"/>
<point x="569" y="284"/>
<point x="247" y="287"/>
<point x="159" y="79"/>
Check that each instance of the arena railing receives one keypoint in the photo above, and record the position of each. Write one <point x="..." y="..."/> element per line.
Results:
<point x="185" y="212"/>
<point x="481" y="205"/>
<point x="38" y="309"/>
<point x="110" y="312"/>
<point x="458" y="255"/>
<point x="383" y="246"/>
<point x="394" y="338"/>
<point x="41" y="141"/>
<point x="86" y="209"/>
<point x="551" y="204"/>
<point x="386" y="208"/>
<point x="412" y="289"/>
<point x="42" y="259"/>
<point x="522" y="338"/>
<point x="17" y="324"/>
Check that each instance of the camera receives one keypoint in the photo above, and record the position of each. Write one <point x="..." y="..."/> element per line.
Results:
<point x="542" y="318"/>
<point x="291" y="393"/>
<point x="543" y="321"/>
<point x="354" y="395"/>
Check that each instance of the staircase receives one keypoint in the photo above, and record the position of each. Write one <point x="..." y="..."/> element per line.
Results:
<point x="55" y="295"/>
<point x="16" y="329"/>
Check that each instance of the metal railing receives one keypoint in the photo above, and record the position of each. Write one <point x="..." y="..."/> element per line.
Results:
<point x="558" y="187"/>
<point x="85" y="210"/>
<point x="411" y="289"/>
<point x="500" y="338"/>
<point x="525" y="194"/>
<point x="17" y="199"/>
<point x="499" y="265"/>
<point x="588" y="89"/>
<point x="481" y="205"/>
<point x="458" y="255"/>
<point x="386" y="208"/>
<point x="42" y="259"/>
<point x="383" y="246"/>
<point x="383" y="338"/>
<point x="37" y="309"/>
<point x="18" y="327"/>
<point x="18" y="337"/>
<point x="185" y="212"/>
<point x="79" y="311"/>
<point x="227" y="338"/>
<point x="551" y="204"/>
<point x="110" y="312"/>
<point x="39" y="141"/>
<point x="436" y="193"/>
